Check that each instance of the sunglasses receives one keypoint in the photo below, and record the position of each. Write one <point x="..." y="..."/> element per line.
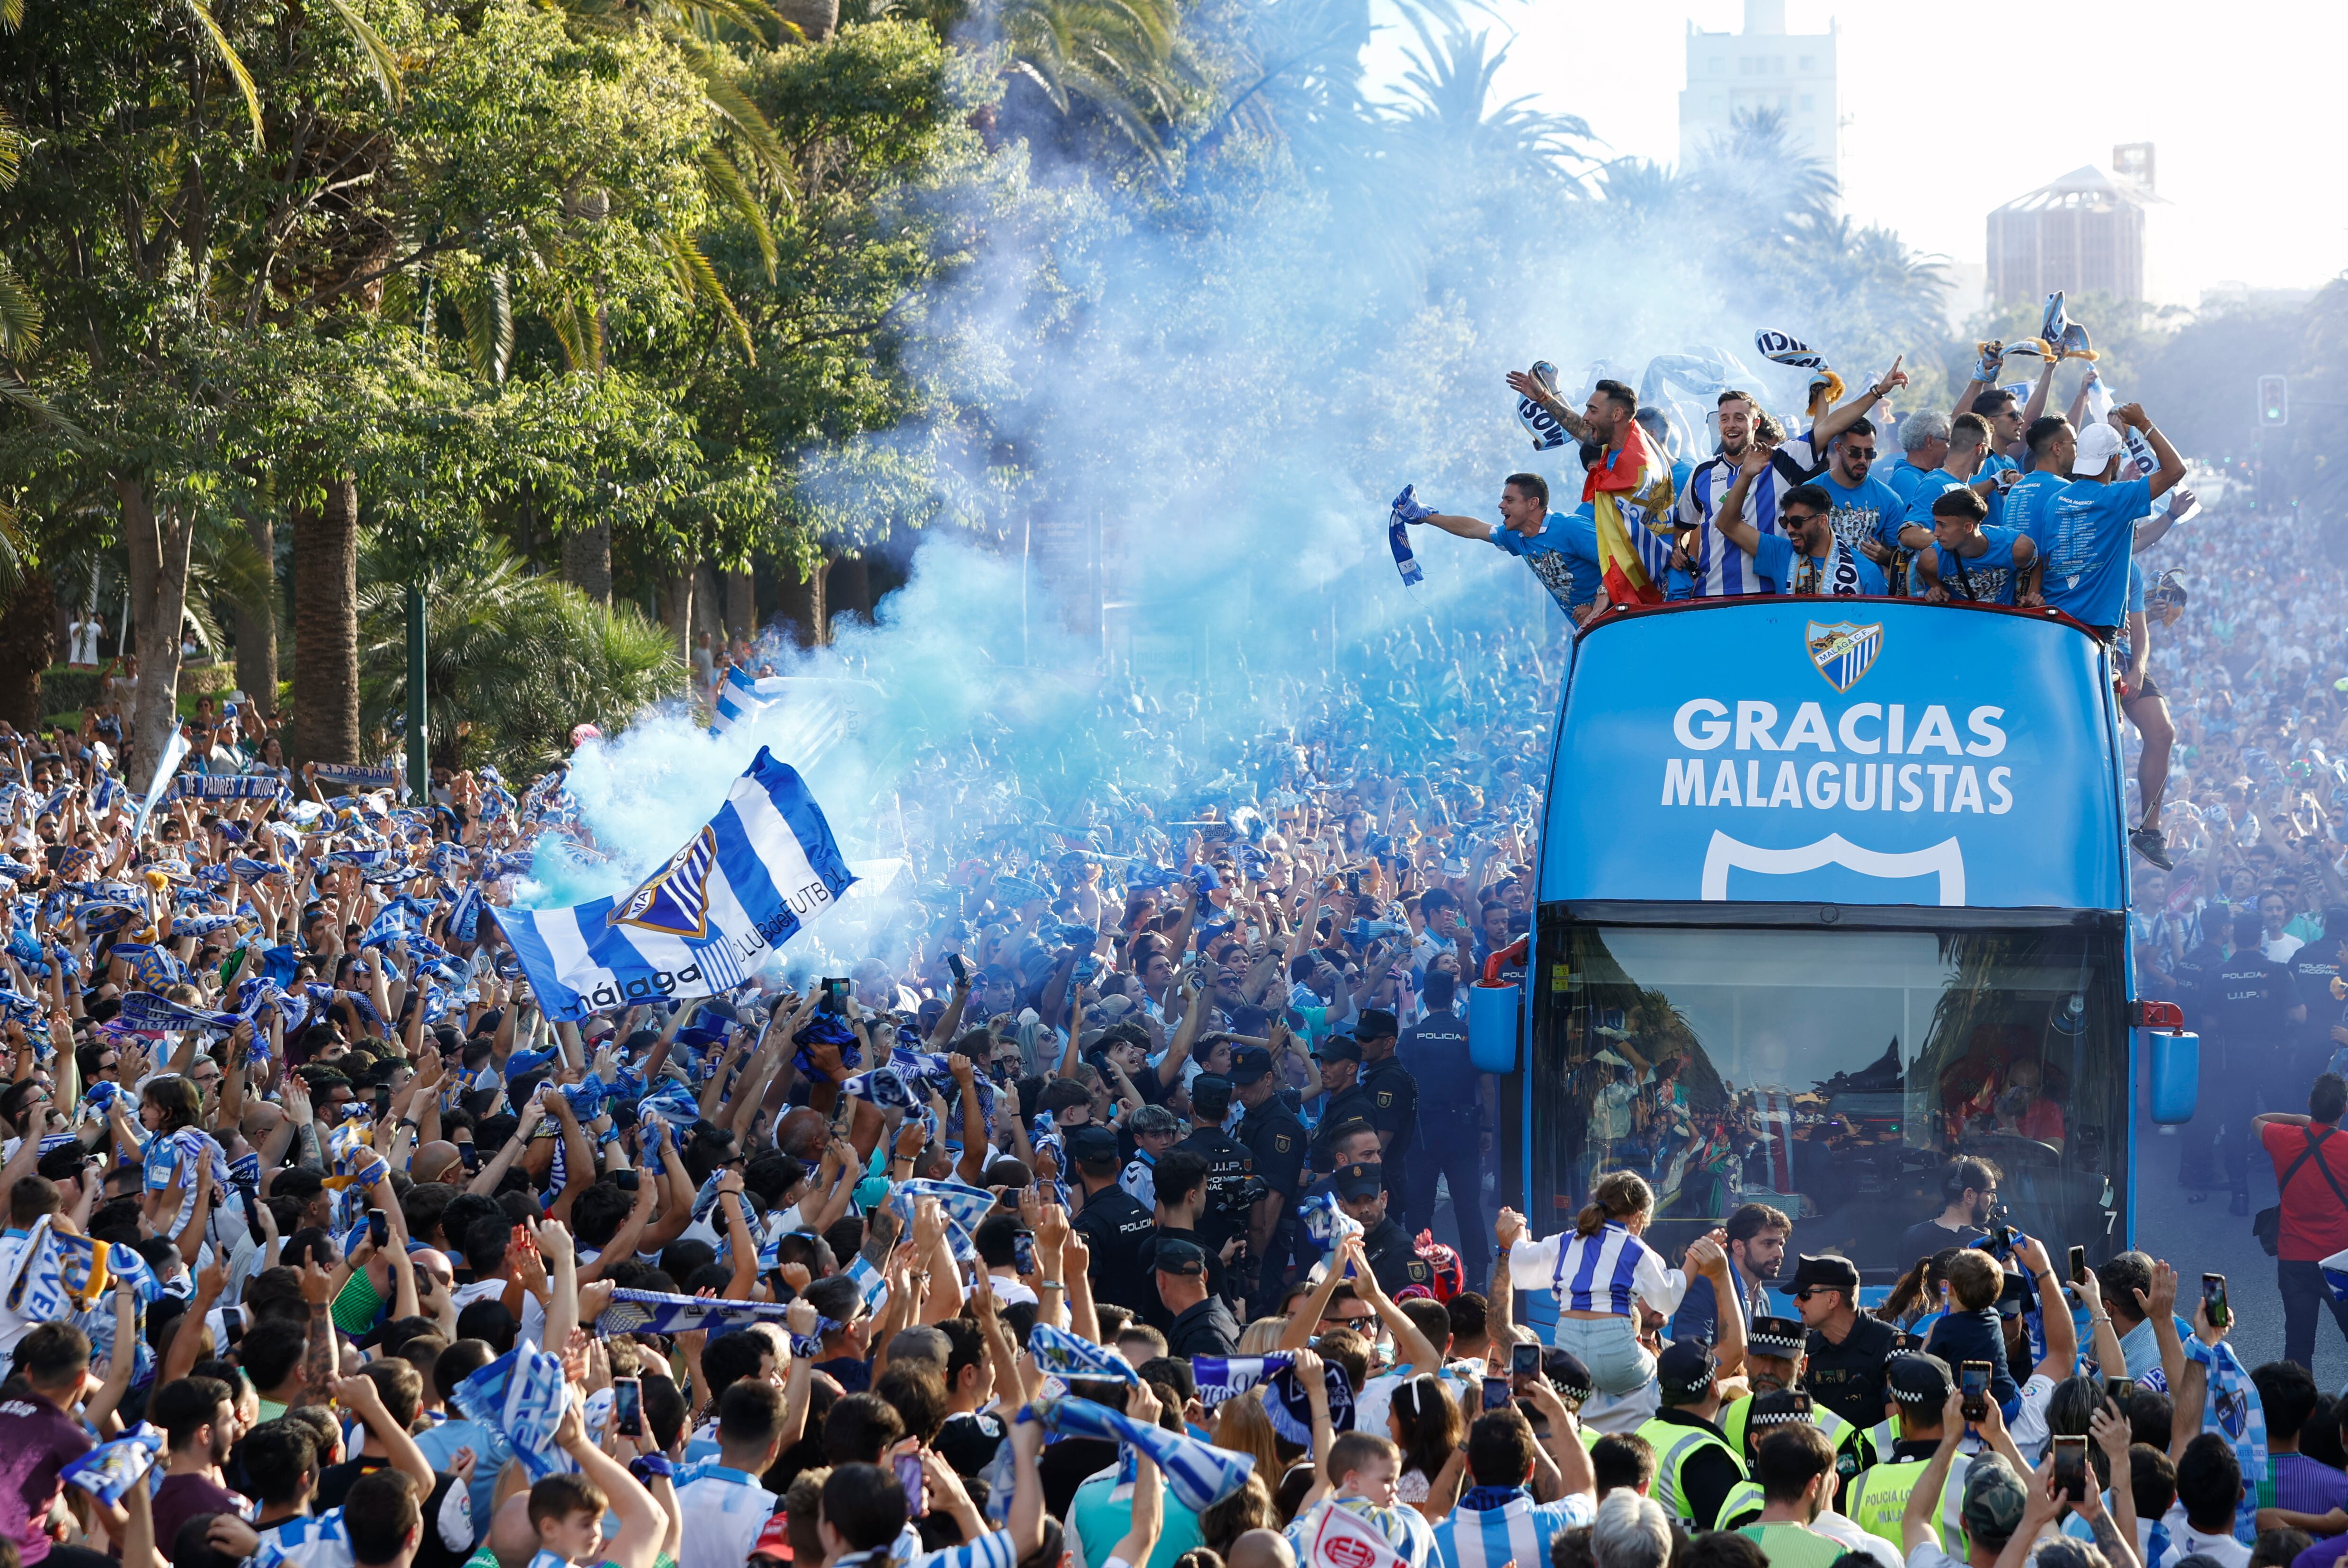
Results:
<point x="1817" y="1290"/>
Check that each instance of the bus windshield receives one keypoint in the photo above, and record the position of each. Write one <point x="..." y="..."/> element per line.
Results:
<point x="1834" y="1074"/>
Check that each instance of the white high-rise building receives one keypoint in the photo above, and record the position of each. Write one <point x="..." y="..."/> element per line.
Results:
<point x="1764" y="67"/>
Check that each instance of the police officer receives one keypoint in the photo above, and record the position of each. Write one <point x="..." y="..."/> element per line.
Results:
<point x="2252" y="1004"/>
<point x="1114" y="1227"/>
<point x="1393" y="1262"/>
<point x="1774" y="1352"/>
<point x="1394" y="1097"/>
<point x="1228" y="1164"/>
<point x="1454" y="1128"/>
<point x="1877" y="1496"/>
<point x="1696" y="1468"/>
<point x="1344" y="1104"/>
<point x="1274" y="1137"/>
<point x="1762" y="1413"/>
<point x="2314" y="968"/>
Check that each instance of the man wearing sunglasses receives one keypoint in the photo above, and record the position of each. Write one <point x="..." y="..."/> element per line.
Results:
<point x="1847" y="1349"/>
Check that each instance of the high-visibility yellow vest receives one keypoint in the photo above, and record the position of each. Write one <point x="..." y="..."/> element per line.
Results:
<point x="1674" y="1445"/>
<point x="1878" y="1497"/>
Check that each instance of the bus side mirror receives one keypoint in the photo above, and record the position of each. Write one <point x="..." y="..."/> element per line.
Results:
<point x="2176" y="1057"/>
<point x="1492" y="1013"/>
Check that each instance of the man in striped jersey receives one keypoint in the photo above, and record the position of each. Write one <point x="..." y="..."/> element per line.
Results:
<point x="1497" y="1520"/>
<point x="1719" y="568"/>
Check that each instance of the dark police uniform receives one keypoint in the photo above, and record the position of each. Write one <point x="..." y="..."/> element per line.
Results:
<point x="2245" y="999"/>
<point x="1394" y="1112"/>
<point x="1274" y="1138"/>
<point x="2312" y="969"/>
<point x="1118" y="1229"/>
<point x="1386" y="1246"/>
<point x="1449" y="1140"/>
<point x="1229" y="1166"/>
<point x="1393" y="1262"/>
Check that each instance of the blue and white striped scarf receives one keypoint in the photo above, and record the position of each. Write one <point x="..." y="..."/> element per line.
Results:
<point x="1197" y="1475"/>
<point x="173" y="1160"/>
<point x="522" y="1395"/>
<point x="111" y="1469"/>
<point x="2234" y="1412"/>
<point x="1060" y="1354"/>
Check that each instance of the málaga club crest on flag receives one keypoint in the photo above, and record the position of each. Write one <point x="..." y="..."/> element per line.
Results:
<point x="698" y="926"/>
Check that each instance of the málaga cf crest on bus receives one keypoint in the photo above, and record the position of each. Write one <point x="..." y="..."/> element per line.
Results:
<point x="1844" y="652"/>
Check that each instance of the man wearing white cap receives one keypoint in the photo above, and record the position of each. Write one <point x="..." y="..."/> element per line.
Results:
<point x="2085" y="536"/>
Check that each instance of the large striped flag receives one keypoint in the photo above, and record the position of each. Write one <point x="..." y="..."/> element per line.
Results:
<point x="698" y="926"/>
<point x="739" y="699"/>
<point x="1629" y="489"/>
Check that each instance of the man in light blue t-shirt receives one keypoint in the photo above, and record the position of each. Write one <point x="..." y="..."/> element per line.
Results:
<point x="2086" y="532"/>
<point x="1807" y="558"/>
<point x="1864" y="512"/>
<point x="1562" y="548"/>
<point x="1923" y="447"/>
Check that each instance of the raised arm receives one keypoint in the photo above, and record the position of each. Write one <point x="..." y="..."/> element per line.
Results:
<point x="2172" y="467"/>
<point x="359" y="1395"/>
<point x="1730" y="518"/>
<point x="1918" y="1526"/>
<point x="1464" y="526"/>
<point x="1836" y="422"/>
<point x="1524" y="384"/>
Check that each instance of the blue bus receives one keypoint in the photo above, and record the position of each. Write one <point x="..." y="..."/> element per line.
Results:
<point x="1833" y="892"/>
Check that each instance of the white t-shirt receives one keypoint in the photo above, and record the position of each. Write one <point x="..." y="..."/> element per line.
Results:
<point x="1851" y="1538"/>
<point x="2229" y="1551"/>
<point x="723" y="1512"/>
<point x="2028" y="1428"/>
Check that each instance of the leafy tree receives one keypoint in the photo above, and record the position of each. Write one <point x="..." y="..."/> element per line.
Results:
<point x="514" y="660"/>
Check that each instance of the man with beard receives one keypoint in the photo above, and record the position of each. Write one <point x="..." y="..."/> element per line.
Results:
<point x="1718" y="570"/>
<point x="1969" y="1191"/>
<point x="1755" y="1241"/>
<point x="1807" y="557"/>
<point x="1865" y="513"/>
<point x="1775" y="1352"/>
<point x="198" y="1416"/>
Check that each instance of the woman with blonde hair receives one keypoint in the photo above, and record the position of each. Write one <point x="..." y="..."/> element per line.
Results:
<point x="1600" y="1273"/>
<point x="1244" y="1427"/>
<point x="1262" y="1338"/>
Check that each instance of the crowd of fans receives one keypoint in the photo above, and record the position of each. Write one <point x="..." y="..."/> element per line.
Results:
<point x="326" y="1245"/>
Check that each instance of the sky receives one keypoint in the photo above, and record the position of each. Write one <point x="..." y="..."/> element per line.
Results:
<point x="1945" y="117"/>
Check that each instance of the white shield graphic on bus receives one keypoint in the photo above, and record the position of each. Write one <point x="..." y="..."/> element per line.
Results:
<point x="1945" y="860"/>
<point x="1843" y="651"/>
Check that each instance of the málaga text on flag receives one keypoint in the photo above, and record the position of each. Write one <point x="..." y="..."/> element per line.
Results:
<point x="701" y="924"/>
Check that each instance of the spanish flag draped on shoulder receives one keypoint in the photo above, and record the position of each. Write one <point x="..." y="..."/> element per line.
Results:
<point x="1628" y="488"/>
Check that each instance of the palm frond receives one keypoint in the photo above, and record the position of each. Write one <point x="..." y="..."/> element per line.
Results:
<point x="731" y="105"/>
<point x="16" y="393"/>
<point x="726" y="184"/>
<point x="699" y="277"/>
<point x="381" y="62"/>
<point x="20" y="313"/>
<point x="487" y="311"/>
<point x="231" y="62"/>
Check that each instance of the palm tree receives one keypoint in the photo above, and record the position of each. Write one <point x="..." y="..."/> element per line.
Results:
<point x="1449" y="114"/>
<point x="1117" y="61"/>
<point x="512" y="660"/>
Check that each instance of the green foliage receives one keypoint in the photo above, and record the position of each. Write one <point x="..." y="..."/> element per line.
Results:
<point x="515" y="659"/>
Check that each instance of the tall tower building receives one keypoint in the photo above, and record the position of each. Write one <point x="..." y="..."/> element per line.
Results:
<point x="2083" y="232"/>
<point x="1764" y="67"/>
